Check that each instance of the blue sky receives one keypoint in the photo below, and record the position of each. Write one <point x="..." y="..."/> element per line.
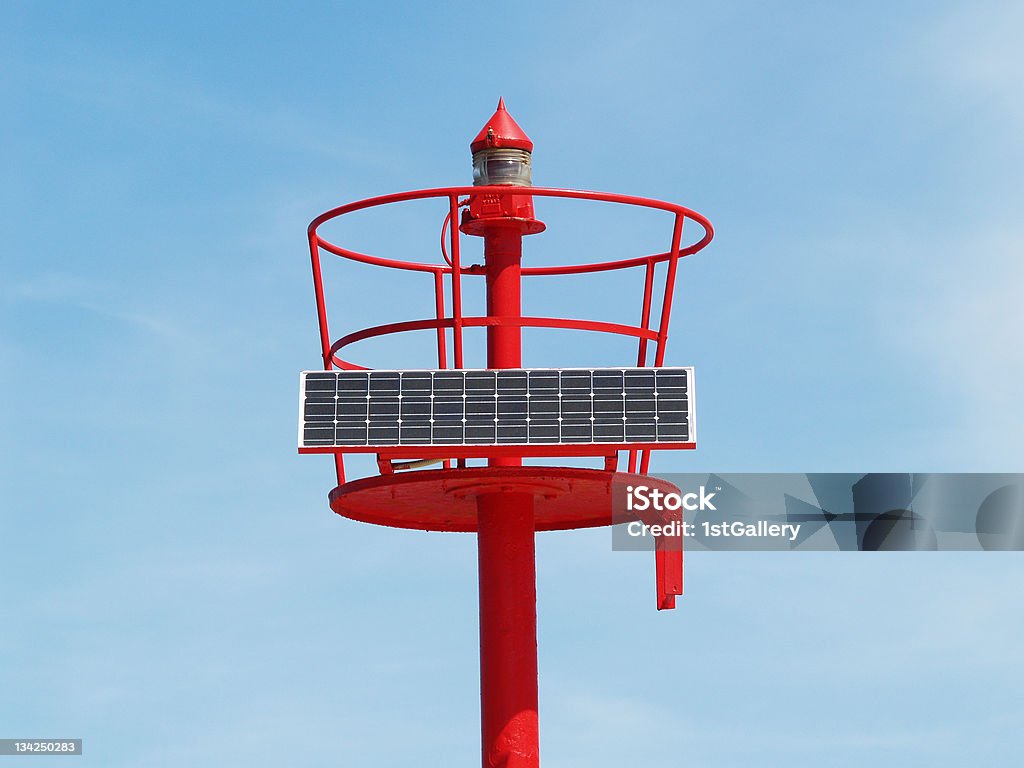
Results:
<point x="173" y="586"/>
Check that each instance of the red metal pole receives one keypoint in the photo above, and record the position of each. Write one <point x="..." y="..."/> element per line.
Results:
<point x="505" y="546"/>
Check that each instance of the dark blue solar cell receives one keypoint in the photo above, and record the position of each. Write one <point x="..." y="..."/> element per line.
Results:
<point x="480" y="434"/>
<point x="480" y="383"/>
<point x="449" y="409"/>
<point x="385" y="383"/>
<point x="609" y="432"/>
<point x="512" y="382"/>
<point x="384" y="408"/>
<point x="512" y="432"/>
<point x="352" y="384"/>
<point x="671" y="409"/>
<point x="449" y="383"/>
<point x="577" y="431"/>
<point x="607" y="382"/>
<point x="414" y="434"/>
<point x="575" y="381"/>
<point x="448" y="434"/>
<point x="639" y="407"/>
<point x="320" y="411"/>
<point x="481" y="409"/>
<point x="671" y="379"/>
<point x="383" y="434"/>
<point x="351" y="435"/>
<point x="639" y="382"/>
<point x="512" y="407"/>
<point x="641" y="431"/>
<point x="543" y="431"/>
<point x="416" y="409"/>
<point x="543" y="383"/>
<point x="322" y="383"/>
<point x="576" y="407"/>
<point x="673" y="432"/>
<point x="608" y="407"/>
<point x="351" y="409"/>
<point x="544" y="407"/>
<point x="417" y="383"/>
<point x="314" y="434"/>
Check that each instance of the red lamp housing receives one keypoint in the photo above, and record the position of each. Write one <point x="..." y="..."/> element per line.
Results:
<point x="502" y="156"/>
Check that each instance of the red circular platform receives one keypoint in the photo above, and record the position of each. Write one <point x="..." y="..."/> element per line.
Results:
<point x="445" y="499"/>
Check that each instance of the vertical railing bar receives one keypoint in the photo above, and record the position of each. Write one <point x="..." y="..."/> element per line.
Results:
<point x="325" y="333"/>
<point x="453" y="206"/>
<point x="442" y="345"/>
<point x="666" y="310"/>
<point x="321" y="307"/>
<point x="670" y="282"/>
<point x="645" y="461"/>
<point x="442" y="340"/>
<point x="645" y="315"/>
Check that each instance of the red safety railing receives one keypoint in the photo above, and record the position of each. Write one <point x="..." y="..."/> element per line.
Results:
<point x="454" y="271"/>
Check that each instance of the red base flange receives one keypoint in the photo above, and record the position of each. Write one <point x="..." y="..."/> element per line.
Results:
<point x="445" y="499"/>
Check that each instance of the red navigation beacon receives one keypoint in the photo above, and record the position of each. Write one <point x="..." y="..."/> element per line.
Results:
<point x="450" y="441"/>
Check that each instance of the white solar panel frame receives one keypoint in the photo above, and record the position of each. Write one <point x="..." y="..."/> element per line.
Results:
<point x="483" y="446"/>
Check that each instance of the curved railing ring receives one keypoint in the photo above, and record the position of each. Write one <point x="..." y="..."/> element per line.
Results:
<point x="595" y="326"/>
<point x="455" y="192"/>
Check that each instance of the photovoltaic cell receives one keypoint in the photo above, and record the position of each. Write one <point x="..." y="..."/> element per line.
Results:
<point x="380" y="409"/>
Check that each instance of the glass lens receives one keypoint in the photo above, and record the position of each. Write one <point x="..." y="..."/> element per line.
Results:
<point x="502" y="166"/>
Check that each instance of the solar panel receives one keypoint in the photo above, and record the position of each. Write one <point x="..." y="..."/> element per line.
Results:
<point x="530" y="407"/>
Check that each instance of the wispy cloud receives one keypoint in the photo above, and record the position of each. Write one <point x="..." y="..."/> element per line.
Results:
<point x="151" y="92"/>
<point x="54" y="287"/>
<point x="966" y="315"/>
<point x="977" y="49"/>
<point x="102" y="299"/>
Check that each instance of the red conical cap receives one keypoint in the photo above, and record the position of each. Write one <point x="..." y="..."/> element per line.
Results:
<point x="501" y="131"/>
